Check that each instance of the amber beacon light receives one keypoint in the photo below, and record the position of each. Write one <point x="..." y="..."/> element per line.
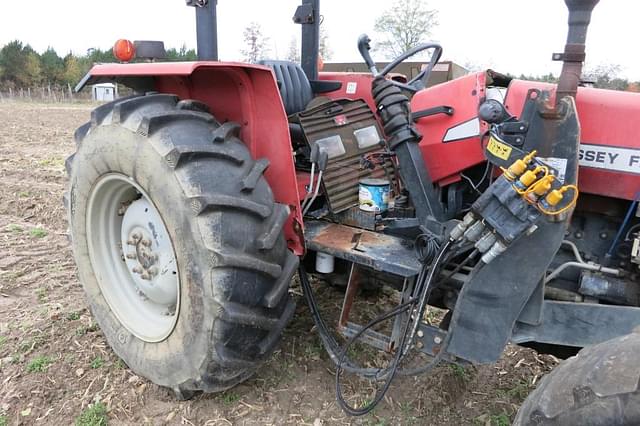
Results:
<point x="124" y="50"/>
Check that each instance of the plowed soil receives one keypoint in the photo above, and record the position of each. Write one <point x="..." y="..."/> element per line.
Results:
<point x="55" y="362"/>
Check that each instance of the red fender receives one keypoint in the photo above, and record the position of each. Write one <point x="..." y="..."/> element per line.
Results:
<point x="243" y="93"/>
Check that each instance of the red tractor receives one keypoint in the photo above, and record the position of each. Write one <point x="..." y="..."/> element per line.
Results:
<point x="193" y="203"/>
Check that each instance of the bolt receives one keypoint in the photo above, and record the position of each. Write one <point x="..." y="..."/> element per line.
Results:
<point x="604" y="235"/>
<point x="578" y="234"/>
<point x="420" y="333"/>
<point x="131" y="255"/>
<point x="437" y="340"/>
<point x="419" y="345"/>
<point x="137" y="270"/>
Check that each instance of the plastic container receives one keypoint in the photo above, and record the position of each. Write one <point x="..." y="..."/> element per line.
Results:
<point x="324" y="262"/>
<point x="373" y="195"/>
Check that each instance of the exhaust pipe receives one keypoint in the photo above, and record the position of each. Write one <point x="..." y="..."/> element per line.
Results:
<point x="574" y="51"/>
<point x="206" y="28"/>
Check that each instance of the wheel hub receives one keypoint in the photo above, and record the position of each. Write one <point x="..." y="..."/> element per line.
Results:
<point x="132" y="256"/>
<point x="148" y="253"/>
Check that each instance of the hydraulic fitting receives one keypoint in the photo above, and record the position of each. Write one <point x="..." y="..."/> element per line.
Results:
<point x="540" y="188"/>
<point x="485" y="243"/>
<point x="528" y="178"/>
<point x="519" y="166"/>
<point x="458" y="231"/>
<point x="553" y="199"/>
<point x="474" y="231"/>
<point x="496" y="250"/>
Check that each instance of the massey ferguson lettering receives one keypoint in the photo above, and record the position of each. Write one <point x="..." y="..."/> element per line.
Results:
<point x="610" y="158"/>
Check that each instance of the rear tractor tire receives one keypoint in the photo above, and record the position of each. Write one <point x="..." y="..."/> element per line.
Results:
<point x="597" y="387"/>
<point x="179" y="243"/>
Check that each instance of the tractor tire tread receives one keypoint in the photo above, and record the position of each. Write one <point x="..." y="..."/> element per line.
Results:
<point x="274" y="227"/>
<point x="279" y="290"/>
<point x="250" y="181"/>
<point x="123" y="109"/>
<point x="260" y="317"/>
<point x="226" y="132"/>
<point x="213" y="202"/>
<point x="153" y="122"/>
<point x="597" y="387"/>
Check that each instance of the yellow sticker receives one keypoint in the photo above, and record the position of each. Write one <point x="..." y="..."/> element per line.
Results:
<point x="498" y="148"/>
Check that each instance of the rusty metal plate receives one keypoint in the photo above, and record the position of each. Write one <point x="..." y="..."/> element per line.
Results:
<point x="375" y="250"/>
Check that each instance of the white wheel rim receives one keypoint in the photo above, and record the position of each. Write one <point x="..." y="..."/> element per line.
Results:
<point x="133" y="257"/>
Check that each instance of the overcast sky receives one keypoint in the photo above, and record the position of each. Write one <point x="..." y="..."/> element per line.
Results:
<point x="515" y="36"/>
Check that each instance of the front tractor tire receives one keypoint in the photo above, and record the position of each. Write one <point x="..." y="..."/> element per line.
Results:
<point x="179" y="243"/>
<point x="598" y="387"/>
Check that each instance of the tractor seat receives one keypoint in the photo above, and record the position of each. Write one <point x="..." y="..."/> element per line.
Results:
<point x="294" y="85"/>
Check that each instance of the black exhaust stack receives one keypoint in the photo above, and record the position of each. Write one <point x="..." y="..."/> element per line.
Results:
<point x="308" y="15"/>
<point x="574" y="51"/>
<point x="206" y="28"/>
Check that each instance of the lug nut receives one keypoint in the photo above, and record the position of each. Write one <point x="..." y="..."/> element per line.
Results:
<point x="137" y="270"/>
<point x="131" y="255"/>
<point x="437" y="340"/>
<point x="136" y="236"/>
<point x="131" y="242"/>
<point x="145" y="276"/>
<point x="146" y="243"/>
<point x="153" y="271"/>
<point x="420" y="333"/>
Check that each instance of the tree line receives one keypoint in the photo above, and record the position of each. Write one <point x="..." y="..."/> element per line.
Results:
<point x="406" y="24"/>
<point x="21" y="66"/>
<point x="603" y="76"/>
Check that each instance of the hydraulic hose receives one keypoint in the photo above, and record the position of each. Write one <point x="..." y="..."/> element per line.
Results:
<point x="415" y="304"/>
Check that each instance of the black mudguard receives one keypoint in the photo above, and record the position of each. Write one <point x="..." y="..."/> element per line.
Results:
<point x="491" y="302"/>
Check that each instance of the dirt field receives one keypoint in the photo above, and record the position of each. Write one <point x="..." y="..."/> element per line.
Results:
<point x="55" y="363"/>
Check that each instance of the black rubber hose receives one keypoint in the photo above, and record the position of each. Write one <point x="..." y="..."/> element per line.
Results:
<point x="424" y="290"/>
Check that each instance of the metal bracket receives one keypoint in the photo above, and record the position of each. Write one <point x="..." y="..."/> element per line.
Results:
<point x="304" y="14"/>
<point x="197" y="3"/>
<point x="569" y="57"/>
<point x="573" y="52"/>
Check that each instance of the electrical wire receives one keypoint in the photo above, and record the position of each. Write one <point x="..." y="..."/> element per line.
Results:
<point x="482" y="179"/>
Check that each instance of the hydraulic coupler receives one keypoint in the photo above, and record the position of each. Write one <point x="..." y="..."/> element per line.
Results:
<point x="512" y="205"/>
